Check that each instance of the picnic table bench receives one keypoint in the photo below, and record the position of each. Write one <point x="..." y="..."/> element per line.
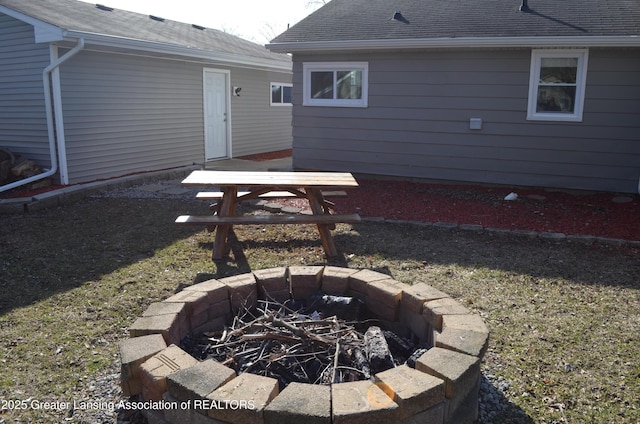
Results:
<point x="312" y="186"/>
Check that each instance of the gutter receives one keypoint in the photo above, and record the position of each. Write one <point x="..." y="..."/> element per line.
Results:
<point x="462" y="42"/>
<point x="243" y="60"/>
<point x="55" y="123"/>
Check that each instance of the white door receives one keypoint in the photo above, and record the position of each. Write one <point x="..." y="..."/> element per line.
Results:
<point x="216" y="114"/>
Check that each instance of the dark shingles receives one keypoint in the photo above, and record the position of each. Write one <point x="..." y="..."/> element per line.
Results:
<point x="372" y="19"/>
<point x="84" y="17"/>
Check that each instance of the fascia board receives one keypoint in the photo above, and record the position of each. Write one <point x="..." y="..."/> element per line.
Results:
<point x="160" y="48"/>
<point x="462" y="42"/>
<point x="43" y="32"/>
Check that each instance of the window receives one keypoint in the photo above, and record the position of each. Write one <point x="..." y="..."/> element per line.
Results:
<point x="557" y="84"/>
<point x="280" y="94"/>
<point x="342" y="84"/>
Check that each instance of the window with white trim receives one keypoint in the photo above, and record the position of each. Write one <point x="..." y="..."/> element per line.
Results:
<point x="281" y="94"/>
<point x="342" y="84"/>
<point x="557" y="84"/>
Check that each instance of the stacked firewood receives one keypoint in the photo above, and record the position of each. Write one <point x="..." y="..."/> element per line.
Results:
<point x="14" y="168"/>
<point x="303" y="344"/>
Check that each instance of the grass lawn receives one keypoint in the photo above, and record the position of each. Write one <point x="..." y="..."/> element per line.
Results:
<point x="564" y="318"/>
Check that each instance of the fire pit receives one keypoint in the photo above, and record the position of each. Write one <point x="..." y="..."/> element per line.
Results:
<point x="432" y="378"/>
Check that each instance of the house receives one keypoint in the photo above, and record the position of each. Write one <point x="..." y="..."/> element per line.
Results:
<point x="91" y="92"/>
<point x="538" y="93"/>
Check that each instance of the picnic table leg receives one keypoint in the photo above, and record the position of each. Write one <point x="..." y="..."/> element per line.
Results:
<point x="227" y="208"/>
<point x="316" y="203"/>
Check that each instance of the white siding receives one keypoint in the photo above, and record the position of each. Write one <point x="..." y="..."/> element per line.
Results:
<point x="126" y="113"/>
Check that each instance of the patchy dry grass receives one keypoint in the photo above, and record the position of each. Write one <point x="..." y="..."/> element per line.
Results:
<point x="563" y="318"/>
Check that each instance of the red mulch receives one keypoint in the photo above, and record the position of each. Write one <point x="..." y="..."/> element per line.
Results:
<point x="540" y="210"/>
<point x="267" y="156"/>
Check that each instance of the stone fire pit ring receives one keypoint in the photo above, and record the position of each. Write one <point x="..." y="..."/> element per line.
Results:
<point x="170" y="386"/>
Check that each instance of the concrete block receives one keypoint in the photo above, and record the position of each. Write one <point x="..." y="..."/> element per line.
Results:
<point x="243" y="399"/>
<point x="464" y="333"/>
<point x="414" y="391"/>
<point x="215" y="324"/>
<point x="163" y="308"/>
<point x="472" y="343"/>
<point x="383" y="293"/>
<point x="416" y="323"/>
<point x="471" y="322"/>
<point x="243" y="291"/>
<point x="196" y="321"/>
<point x="280" y="296"/>
<point x="198" y="381"/>
<point x="415" y="296"/>
<point x="189" y="416"/>
<point x="434" y="415"/>
<point x="133" y="352"/>
<point x="173" y="327"/>
<point x="357" y="294"/>
<point x="436" y="309"/>
<point x="464" y="408"/>
<point x="335" y="280"/>
<point x="300" y="403"/>
<point x="154" y="371"/>
<point x="220" y="309"/>
<point x="383" y="312"/>
<point x="304" y="280"/>
<point x="196" y="302"/>
<point x="154" y="417"/>
<point x="458" y="370"/>
<point x="361" y="402"/>
<point x="216" y="290"/>
<point x="359" y="280"/>
<point x="271" y="280"/>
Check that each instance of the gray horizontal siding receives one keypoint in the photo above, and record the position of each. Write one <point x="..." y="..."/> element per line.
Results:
<point x="126" y="114"/>
<point x="23" y="127"/>
<point x="417" y="122"/>
<point x="257" y="126"/>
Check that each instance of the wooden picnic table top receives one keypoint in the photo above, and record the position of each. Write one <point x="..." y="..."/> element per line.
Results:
<point x="270" y="179"/>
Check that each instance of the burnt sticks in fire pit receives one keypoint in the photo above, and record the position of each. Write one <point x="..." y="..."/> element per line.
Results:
<point x="312" y="344"/>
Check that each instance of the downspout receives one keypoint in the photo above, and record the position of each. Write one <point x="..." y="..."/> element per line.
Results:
<point x="49" y="110"/>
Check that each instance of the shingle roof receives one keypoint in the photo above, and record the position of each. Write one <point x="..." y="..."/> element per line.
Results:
<point x="87" y="18"/>
<point x="343" y="20"/>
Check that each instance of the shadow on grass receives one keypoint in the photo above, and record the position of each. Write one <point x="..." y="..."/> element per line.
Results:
<point x="46" y="252"/>
<point x="584" y="264"/>
<point x="51" y="251"/>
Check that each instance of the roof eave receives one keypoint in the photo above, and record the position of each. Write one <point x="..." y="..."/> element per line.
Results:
<point x="461" y="42"/>
<point x="109" y="41"/>
<point x="43" y="32"/>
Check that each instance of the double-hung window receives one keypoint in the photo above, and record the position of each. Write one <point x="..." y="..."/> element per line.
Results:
<point x="281" y="94"/>
<point x="343" y="84"/>
<point x="557" y="84"/>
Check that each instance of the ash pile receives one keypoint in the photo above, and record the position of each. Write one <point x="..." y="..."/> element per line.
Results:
<point x="328" y="339"/>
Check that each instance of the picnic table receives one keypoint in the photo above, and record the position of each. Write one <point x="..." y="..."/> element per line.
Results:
<point x="312" y="186"/>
